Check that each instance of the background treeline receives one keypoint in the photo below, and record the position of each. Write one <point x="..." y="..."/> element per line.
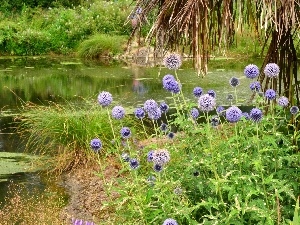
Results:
<point x="36" y="27"/>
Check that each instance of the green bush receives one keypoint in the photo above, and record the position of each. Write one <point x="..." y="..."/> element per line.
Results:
<point x="101" y="45"/>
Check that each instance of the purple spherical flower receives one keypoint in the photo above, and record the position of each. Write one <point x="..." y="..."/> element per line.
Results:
<point x="104" y="98"/>
<point x="163" y="127"/>
<point x="164" y="107"/>
<point x="206" y="103"/>
<point x="158" y="167"/>
<point x="134" y="163"/>
<point x="220" y="110"/>
<point x="125" y="132"/>
<point x="256" y="115"/>
<point x="271" y="70"/>
<point x="234" y="82"/>
<point x="96" y="144"/>
<point x="139" y="113"/>
<point x="161" y="156"/>
<point x="246" y="115"/>
<point x="150" y="156"/>
<point x="270" y="94"/>
<point x="154" y="114"/>
<point x="197" y="92"/>
<point x="255" y="86"/>
<point x="168" y="77"/>
<point x="212" y="93"/>
<point x="172" y="61"/>
<point x="171" y="135"/>
<point x="194" y="113"/>
<point x="118" y="112"/>
<point x="294" y="110"/>
<point x="251" y="71"/>
<point x="139" y="10"/>
<point x="125" y="157"/>
<point x="170" y="222"/>
<point x="233" y="114"/>
<point x="150" y="105"/>
<point x="283" y="101"/>
<point x="172" y="86"/>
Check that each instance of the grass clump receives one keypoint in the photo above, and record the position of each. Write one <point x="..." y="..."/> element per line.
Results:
<point x="102" y="45"/>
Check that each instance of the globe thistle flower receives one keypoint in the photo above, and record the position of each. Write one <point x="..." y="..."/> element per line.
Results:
<point x="270" y="94"/>
<point x="212" y="93"/>
<point x="170" y="222"/>
<point x="197" y="92"/>
<point x="251" y="71"/>
<point x="139" y="113"/>
<point x="206" y="103"/>
<point x="172" y="86"/>
<point x="104" y="98"/>
<point x="150" y="156"/>
<point x="256" y="115"/>
<point x="172" y="61"/>
<point x="194" y="113"/>
<point x="215" y="121"/>
<point x="154" y="114"/>
<point x="167" y="78"/>
<point x="163" y="127"/>
<point x="125" y="132"/>
<point x="150" y="105"/>
<point x="246" y="115"/>
<point x="234" y="82"/>
<point x="255" y="86"/>
<point x="294" y="110"/>
<point x="233" y="114"/>
<point x="134" y="163"/>
<point x="164" y="107"/>
<point x="171" y="135"/>
<point x="178" y="191"/>
<point x="96" y="144"/>
<point x="139" y="10"/>
<point x="118" y="112"/>
<point x="220" y="110"/>
<point x="125" y="157"/>
<point x="230" y="97"/>
<point x="283" y="101"/>
<point x="161" y="156"/>
<point x="158" y="167"/>
<point x="271" y="70"/>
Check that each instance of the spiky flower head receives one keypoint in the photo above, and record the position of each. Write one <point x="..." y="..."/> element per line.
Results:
<point x="171" y="135"/>
<point x="164" y="107"/>
<point x="125" y="157"/>
<point x="246" y="115"/>
<point x="158" y="167"/>
<point x="104" y="98"/>
<point x="194" y="113"/>
<point x="283" y="101"/>
<point x="139" y="113"/>
<point x="255" y="86"/>
<point x="118" y="112"/>
<point x="172" y="86"/>
<point x="294" y="110"/>
<point x="234" y="82"/>
<point x="172" y="61"/>
<point x="215" y="121"/>
<point x="154" y="114"/>
<point x="170" y="222"/>
<point x="161" y="156"/>
<point x="96" y="144"/>
<point x="212" y="93"/>
<point x="134" y="163"/>
<point x="125" y="132"/>
<point x="270" y="94"/>
<point x="233" y="114"/>
<point x="150" y="156"/>
<point x="220" y="110"/>
<point x="256" y="115"/>
<point x="197" y="92"/>
<point x="271" y="70"/>
<point x="251" y="71"/>
<point x="229" y="97"/>
<point x="178" y="191"/>
<point x="139" y="10"/>
<point x="206" y="103"/>
<point x="163" y="127"/>
<point x="150" y="105"/>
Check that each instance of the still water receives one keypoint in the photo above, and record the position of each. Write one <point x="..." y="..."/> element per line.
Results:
<point x="56" y="79"/>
